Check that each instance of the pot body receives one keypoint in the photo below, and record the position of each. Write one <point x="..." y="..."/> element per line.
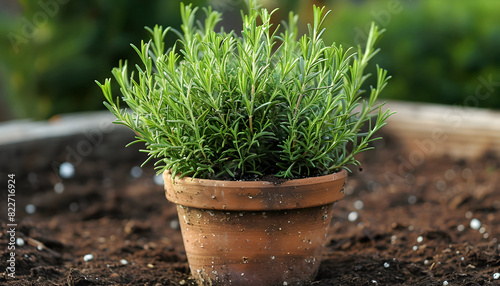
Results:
<point x="255" y="233"/>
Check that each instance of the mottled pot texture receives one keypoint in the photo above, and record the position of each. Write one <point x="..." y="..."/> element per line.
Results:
<point x="255" y="232"/>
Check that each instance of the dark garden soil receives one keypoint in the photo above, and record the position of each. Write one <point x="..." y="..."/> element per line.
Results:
<point x="407" y="219"/>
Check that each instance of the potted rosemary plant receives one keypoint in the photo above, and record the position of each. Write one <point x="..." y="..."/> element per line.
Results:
<point x="253" y="134"/>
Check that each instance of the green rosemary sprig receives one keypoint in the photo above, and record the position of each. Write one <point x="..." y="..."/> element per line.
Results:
<point x="219" y="105"/>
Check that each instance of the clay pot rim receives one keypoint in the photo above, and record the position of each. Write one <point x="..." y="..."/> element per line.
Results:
<point x="255" y="195"/>
<point x="259" y="183"/>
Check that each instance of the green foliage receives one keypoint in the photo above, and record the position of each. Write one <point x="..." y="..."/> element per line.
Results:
<point x="52" y="50"/>
<point x="436" y="52"/>
<point x="219" y="105"/>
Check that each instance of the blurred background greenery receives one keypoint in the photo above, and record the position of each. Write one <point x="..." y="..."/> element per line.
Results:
<point x="51" y="51"/>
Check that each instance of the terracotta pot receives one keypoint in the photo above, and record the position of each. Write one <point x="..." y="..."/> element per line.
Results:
<point x="255" y="232"/>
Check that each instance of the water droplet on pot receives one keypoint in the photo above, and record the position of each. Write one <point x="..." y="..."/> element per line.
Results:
<point x="426" y="262"/>
<point x="415" y="248"/>
<point x="461" y="227"/>
<point x="66" y="170"/>
<point x="475" y="224"/>
<point x="123" y="262"/>
<point x="482" y="230"/>
<point x="136" y="172"/>
<point x="386" y="265"/>
<point x="272" y="257"/>
<point x="30" y="209"/>
<point x="445" y="283"/>
<point x="420" y="239"/>
<point x="496" y="276"/>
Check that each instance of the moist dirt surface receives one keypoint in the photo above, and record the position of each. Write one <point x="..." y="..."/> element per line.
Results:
<point x="407" y="219"/>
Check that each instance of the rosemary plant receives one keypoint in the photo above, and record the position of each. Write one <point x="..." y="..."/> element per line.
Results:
<point x="220" y="105"/>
